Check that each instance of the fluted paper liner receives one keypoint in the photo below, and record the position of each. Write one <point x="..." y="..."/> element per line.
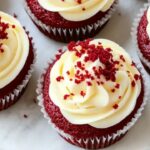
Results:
<point x="134" y="34"/>
<point x="77" y="31"/>
<point x="12" y="97"/>
<point x="99" y="140"/>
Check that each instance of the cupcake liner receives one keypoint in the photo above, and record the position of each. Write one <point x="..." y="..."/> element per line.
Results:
<point x="70" y="32"/>
<point x="134" y="33"/>
<point x="97" y="142"/>
<point x="12" y="97"/>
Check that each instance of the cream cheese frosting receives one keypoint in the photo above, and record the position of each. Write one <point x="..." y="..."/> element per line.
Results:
<point x="76" y="10"/>
<point x="14" y="49"/>
<point x="148" y="25"/>
<point x="97" y="100"/>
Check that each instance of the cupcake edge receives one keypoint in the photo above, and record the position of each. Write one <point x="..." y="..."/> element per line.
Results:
<point x="13" y="96"/>
<point x="134" y="34"/>
<point x="106" y="141"/>
<point x="64" y="32"/>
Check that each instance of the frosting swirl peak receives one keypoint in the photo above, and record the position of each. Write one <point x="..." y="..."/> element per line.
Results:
<point x="95" y="82"/>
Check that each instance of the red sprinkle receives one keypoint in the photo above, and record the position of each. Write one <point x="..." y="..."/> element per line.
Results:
<point x="60" y="51"/>
<point x="117" y="86"/>
<point x="89" y="83"/>
<point x="83" y="9"/>
<point x="72" y="94"/>
<point x="115" y="106"/>
<point x="136" y="77"/>
<point x="59" y="78"/>
<point x="133" y="83"/>
<point x="13" y="26"/>
<point x="1" y="49"/>
<point x="68" y="73"/>
<point x="113" y="90"/>
<point x="79" y="1"/>
<point x="133" y="64"/>
<point x="98" y="83"/>
<point x="66" y="96"/>
<point x="82" y="93"/>
<point x="122" y="58"/>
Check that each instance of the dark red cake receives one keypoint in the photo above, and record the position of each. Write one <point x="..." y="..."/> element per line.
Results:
<point x="144" y="41"/>
<point x="85" y="136"/>
<point x="60" y="29"/>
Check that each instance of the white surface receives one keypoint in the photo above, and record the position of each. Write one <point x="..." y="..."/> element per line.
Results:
<point x="34" y="133"/>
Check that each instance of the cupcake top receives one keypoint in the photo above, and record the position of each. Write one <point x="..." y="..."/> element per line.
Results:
<point x="76" y="10"/>
<point x="148" y="25"/>
<point x="94" y="82"/>
<point x="14" y="48"/>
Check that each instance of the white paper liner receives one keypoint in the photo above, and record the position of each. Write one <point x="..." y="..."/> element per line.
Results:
<point x="59" y="31"/>
<point x="99" y="140"/>
<point x="134" y="34"/>
<point x="11" y="97"/>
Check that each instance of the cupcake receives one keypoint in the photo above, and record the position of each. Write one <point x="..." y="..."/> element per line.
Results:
<point x="70" y="20"/>
<point x="92" y="93"/>
<point x="16" y="60"/>
<point x="141" y="35"/>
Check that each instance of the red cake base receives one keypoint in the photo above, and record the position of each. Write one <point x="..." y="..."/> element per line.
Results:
<point x="54" y="20"/>
<point x="83" y="131"/>
<point x="16" y="82"/>
<point x="143" y="40"/>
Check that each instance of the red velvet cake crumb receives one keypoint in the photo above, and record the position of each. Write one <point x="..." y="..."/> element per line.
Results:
<point x="15" y="16"/>
<point x="115" y="106"/>
<point x="25" y="116"/>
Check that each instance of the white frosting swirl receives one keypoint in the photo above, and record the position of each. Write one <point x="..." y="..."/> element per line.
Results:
<point x="15" y="50"/>
<point x="148" y="19"/>
<point x="96" y="107"/>
<point x="73" y="10"/>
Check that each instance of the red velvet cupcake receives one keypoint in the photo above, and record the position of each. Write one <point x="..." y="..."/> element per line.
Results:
<point x="92" y="94"/>
<point x="70" y="20"/>
<point x="141" y="35"/>
<point x="16" y="60"/>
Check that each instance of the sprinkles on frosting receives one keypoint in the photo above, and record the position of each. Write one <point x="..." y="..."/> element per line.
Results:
<point x="78" y="2"/>
<point x="3" y="32"/>
<point x="91" y="53"/>
<point x="3" y="28"/>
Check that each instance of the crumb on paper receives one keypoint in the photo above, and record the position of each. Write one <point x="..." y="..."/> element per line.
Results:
<point x="15" y="15"/>
<point x="25" y="116"/>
